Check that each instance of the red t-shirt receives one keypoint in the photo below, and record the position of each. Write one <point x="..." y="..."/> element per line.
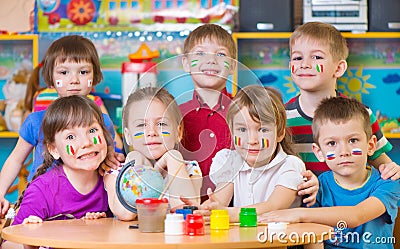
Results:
<point x="205" y="133"/>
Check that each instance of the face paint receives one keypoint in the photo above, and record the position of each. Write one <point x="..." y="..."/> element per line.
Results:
<point x="89" y="83"/>
<point x="70" y="150"/>
<point x="59" y="83"/>
<point x="97" y="140"/>
<point x="356" y="152"/>
<point x="330" y="155"/>
<point x="226" y="64"/>
<point x="320" y="68"/>
<point x="165" y="133"/>
<point x="237" y="141"/>
<point x="264" y="143"/>
<point x="292" y="68"/>
<point x="194" y="63"/>
<point x="138" y="135"/>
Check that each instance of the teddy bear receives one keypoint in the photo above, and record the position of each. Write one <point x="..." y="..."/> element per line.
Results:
<point x="14" y="92"/>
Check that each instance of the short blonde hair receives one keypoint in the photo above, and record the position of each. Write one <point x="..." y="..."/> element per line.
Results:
<point x="324" y="33"/>
<point x="210" y="31"/>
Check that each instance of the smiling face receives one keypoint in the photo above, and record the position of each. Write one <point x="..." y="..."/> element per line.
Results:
<point x="80" y="147"/>
<point x="344" y="147"/>
<point x="72" y="78"/>
<point x="254" y="141"/>
<point x="151" y="129"/>
<point x="312" y="65"/>
<point x="209" y="64"/>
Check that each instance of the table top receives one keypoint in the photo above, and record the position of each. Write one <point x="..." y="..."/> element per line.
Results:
<point x="111" y="233"/>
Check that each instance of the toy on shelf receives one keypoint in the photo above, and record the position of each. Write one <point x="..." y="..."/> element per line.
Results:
<point x="140" y="71"/>
<point x="14" y="91"/>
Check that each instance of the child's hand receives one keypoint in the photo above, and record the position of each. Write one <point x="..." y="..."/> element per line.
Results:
<point x="32" y="219"/>
<point x="4" y="206"/>
<point x="94" y="215"/>
<point x="309" y="187"/>
<point x="171" y="158"/>
<point x="390" y="170"/>
<point x="186" y="202"/>
<point x="112" y="161"/>
<point x="291" y="215"/>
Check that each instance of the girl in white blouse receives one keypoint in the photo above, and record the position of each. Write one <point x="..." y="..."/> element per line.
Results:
<point x="262" y="171"/>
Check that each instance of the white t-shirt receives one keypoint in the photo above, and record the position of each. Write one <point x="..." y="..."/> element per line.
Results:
<point x="255" y="185"/>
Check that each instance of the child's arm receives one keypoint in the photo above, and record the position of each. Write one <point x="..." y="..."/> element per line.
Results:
<point x="183" y="184"/>
<point x="10" y="170"/>
<point x="117" y="139"/>
<point x="386" y="166"/>
<point x="354" y="216"/>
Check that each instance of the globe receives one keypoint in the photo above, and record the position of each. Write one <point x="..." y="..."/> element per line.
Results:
<point x="137" y="182"/>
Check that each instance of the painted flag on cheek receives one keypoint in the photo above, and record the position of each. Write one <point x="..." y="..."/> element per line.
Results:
<point x="265" y="143"/>
<point x="70" y="150"/>
<point x="237" y="141"/>
<point x="97" y="140"/>
<point x="138" y="135"/>
<point x="320" y="68"/>
<point x="356" y="152"/>
<point x="330" y="156"/>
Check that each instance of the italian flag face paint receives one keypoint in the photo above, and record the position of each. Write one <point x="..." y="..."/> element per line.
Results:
<point x="138" y="135"/>
<point x="165" y="133"/>
<point x="89" y="83"/>
<point x="97" y="140"/>
<point x="237" y="141"/>
<point x="264" y="143"/>
<point x="226" y="65"/>
<point x="292" y="68"/>
<point x="356" y="152"/>
<point x="59" y="83"/>
<point x="330" y="155"/>
<point x="70" y="150"/>
<point x="194" y="63"/>
<point x="320" y="68"/>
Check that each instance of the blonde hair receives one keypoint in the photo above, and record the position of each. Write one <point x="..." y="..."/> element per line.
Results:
<point x="154" y="93"/>
<point x="211" y="32"/>
<point x="324" y="33"/>
<point x="265" y="105"/>
<point x="340" y="110"/>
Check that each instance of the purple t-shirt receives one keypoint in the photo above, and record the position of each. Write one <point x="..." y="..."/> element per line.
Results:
<point x="51" y="194"/>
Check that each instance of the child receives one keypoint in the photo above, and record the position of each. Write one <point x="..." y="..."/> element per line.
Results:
<point x="152" y="127"/>
<point x="209" y="56"/>
<point x="318" y="54"/>
<point x="72" y="66"/>
<point x="76" y="139"/>
<point x="262" y="171"/>
<point x="352" y="197"/>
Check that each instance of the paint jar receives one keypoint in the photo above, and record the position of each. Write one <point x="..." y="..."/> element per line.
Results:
<point x="151" y="214"/>
<point x="193" y="208"/>
<point x="174" y="224"/>
<point x="184" y="212"/>
<point x="248" y="217"/>
<point x="275" y="229"/>
<point x="219" y="219"/>
<point x="194" y="225"/>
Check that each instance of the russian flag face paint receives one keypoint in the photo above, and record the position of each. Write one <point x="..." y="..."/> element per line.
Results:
<point x="356" y="152"/>
<point x="138" y="135"/>
<point x="97" y="140"/>
<point x="237" y="140"/>
<point x="320" y="68"/>
<point x="264" y="143"/>
<point x="70" y="150"/>
<point x="59" y="83"/>
<point x="89" y="83"/>
<point x="330" y="155"/>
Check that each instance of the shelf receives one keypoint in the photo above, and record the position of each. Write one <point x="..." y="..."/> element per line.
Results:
<point x="8" y="134"/>
<point x="392" y="135"/>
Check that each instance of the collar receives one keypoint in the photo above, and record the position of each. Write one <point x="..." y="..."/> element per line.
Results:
<point x="223" y="100"/>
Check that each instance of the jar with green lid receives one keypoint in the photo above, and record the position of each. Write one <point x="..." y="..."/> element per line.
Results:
<point x="219" y="219"/>
<point x="248" y="217"/>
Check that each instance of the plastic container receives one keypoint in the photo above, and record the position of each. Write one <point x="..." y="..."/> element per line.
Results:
<point x="184" y="212"/>
<point x="248" y="217"/>
<point x="275" y="229"/>
<point x="194" y="225"/>
<point x="219" y="219"/>
<point x="151" y="214"/>
<point x="174" y="224"/>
